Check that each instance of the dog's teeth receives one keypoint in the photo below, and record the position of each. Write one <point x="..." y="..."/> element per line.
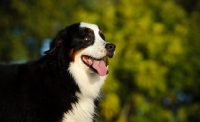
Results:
<point x="90" y="61"/>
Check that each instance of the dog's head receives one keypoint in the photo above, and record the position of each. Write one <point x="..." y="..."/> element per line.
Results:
<point x="83" y="44"/>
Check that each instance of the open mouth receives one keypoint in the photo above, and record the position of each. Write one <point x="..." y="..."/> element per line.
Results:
<point x="97" y="65"/>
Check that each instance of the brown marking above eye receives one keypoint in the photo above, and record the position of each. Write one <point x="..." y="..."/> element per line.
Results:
<point x="90" y="30"/>
<point x="101" y="34"/>
<point x="100" y="31"/>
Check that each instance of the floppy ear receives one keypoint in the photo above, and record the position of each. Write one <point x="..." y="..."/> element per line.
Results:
<point x="56" y="43"/>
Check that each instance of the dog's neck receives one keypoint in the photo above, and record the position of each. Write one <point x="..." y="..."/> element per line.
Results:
<point x="89" y="85"/>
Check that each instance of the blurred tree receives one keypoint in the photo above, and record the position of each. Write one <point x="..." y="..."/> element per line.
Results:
<point x="155" y="73"/>
<point x="154" y="78"/>
<point x="25" y="23"/>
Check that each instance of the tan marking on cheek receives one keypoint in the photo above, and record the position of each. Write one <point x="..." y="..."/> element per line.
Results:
<point x="72" y="54"/>
<point x="105" y="59"/>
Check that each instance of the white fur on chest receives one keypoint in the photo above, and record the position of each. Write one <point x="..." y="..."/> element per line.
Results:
<point x="82" y="111"/>
<point x="90" y="85"/>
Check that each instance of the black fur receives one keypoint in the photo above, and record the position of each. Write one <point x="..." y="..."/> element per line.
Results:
<point x="42" y="90"/>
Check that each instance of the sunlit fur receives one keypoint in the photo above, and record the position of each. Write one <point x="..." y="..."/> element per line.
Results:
<point x="58" y="87"/>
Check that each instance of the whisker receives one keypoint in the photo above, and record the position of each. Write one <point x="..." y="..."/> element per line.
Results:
<point x="115" y="55"/>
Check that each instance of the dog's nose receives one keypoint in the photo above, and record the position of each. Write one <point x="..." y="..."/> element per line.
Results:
<point x="110" y="47"/>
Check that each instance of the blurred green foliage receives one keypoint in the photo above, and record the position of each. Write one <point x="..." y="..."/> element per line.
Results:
<point x="155" y="74"/>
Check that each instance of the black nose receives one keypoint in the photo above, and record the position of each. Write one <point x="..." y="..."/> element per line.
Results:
<point x="110" y="47"/>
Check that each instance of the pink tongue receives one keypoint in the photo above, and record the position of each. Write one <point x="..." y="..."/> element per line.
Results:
<point x="100" y="66"/>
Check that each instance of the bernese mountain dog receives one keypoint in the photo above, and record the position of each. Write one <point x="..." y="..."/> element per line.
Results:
<point x="61" y="86"/>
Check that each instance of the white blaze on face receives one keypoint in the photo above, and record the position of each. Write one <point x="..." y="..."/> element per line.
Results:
<point x="97" y="50"/>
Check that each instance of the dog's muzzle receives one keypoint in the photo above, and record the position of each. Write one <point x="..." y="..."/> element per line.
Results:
<point x="110" y="48"/>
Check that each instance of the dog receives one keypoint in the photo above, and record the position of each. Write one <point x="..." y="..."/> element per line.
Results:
<point x="64" y="84"/>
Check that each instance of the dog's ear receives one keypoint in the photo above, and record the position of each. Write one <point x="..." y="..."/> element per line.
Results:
<point x="56" y="43"/>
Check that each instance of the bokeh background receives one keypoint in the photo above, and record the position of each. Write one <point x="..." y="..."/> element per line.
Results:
<point x="155" y="75"/>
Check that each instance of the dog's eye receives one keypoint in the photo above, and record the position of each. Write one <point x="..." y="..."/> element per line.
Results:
<point x="88" y="38"/>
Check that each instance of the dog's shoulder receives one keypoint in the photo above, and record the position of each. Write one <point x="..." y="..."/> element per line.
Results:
<point x="20" y="73"/>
